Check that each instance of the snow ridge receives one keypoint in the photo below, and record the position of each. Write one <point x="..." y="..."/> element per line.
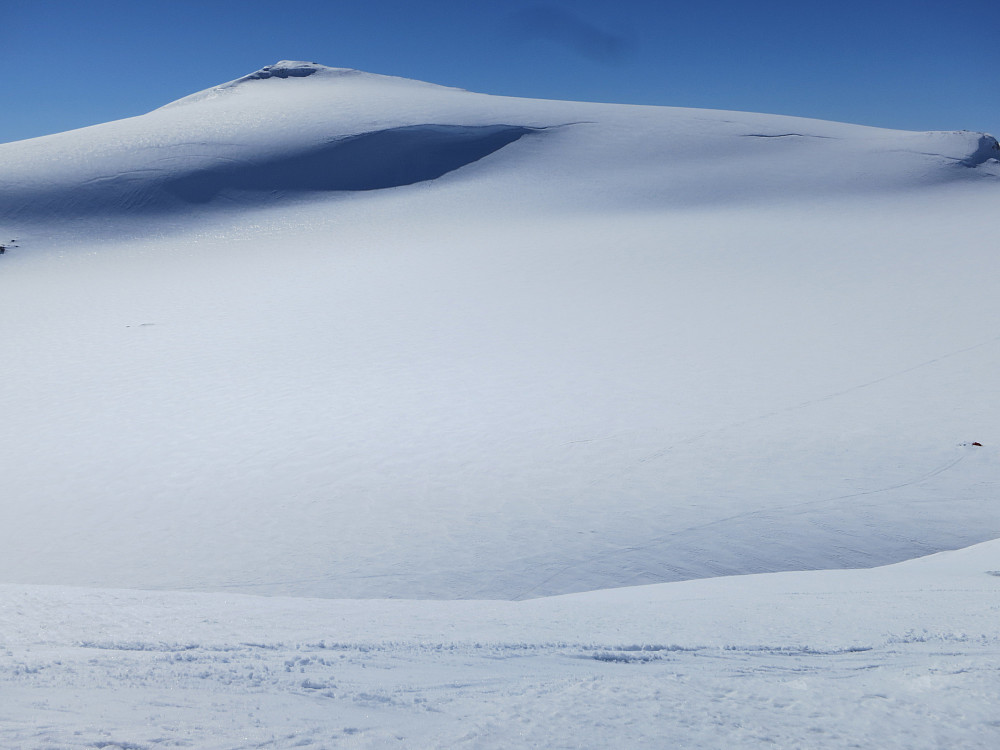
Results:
<point x="297" y="69"/>
<point x="282" y="69"/>
<point x="298" y="127"/>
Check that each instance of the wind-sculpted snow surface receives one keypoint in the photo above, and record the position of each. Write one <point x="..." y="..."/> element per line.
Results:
<point x="904" y="656"/>
<point x="367" y="161"/>
<point x="345" y="335"/>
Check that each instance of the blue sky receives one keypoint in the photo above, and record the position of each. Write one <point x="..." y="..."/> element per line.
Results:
<point x="914" y="65"/>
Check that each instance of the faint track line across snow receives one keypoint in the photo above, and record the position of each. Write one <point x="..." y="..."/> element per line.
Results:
<point x="660" y="541"/>
<point x="672" y="536"/>
<point x="795" y="407"/>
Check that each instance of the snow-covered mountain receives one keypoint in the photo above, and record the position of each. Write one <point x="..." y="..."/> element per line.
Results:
<point x="299" y="128"/>
<point x="323" y="333"/>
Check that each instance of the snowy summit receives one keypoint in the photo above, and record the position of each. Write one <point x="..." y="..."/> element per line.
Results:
<point x="298" y="128"/>
<point x="291" y="349"/>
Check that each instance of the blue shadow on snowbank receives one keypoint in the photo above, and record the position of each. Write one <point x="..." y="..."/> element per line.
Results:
<point x="368" y="161"/>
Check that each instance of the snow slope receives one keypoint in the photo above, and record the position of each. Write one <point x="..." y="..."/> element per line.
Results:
<point x="627" y="345"/>
<point x="322" y="333"/>
<point x="900" y="657"/>
<point x="298" y="128"/>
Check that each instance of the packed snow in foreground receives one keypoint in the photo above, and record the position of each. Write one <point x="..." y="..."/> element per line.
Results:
<point x="902" y="656"/>
<point x="321" y="333"/>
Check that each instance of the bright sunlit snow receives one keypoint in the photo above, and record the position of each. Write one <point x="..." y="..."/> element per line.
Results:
<point x="325" y="334"/>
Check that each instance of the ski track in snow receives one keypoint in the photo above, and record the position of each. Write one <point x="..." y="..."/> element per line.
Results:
<point x="830" y="396"/>
<point x="773" y="512"/>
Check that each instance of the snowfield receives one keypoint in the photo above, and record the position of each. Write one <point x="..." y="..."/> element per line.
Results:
<point x="902" y="656"/>
<point x="342" y="339"/>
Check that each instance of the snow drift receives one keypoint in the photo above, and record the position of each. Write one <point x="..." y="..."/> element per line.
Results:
<point x="326" y="333"/>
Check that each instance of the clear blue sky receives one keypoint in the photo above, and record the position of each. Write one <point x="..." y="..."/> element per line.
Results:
<point x="916" y="65"/>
